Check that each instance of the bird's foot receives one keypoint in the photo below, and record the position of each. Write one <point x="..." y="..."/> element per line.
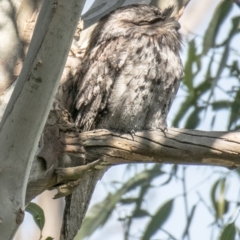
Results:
<point x="75" y="173"/>
<point x="70" y="177"/>
<point x="164" y="130"/>
<point x="132" y="133"/>
<point x="66" y="189"/>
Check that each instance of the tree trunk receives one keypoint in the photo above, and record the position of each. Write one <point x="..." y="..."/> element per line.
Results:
<point x="28" y="108"/>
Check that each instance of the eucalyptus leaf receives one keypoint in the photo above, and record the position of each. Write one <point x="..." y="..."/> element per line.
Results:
<point x="228" y="232"/>
<point x="193" y="119"/>
<point x="158" y="219"/>
<point x="100" y="212"/>
<point x="37" y="214"/>
<point x="219" y="16"/>
<point x="221" y="198"/>
<point x="140" y="213"/>
<point x="218" y="198"/>
<point x="234" y="113"/>
<point x="188" y="68"/>
<point x="213" y="196"/>
<point x="222" y="104"/>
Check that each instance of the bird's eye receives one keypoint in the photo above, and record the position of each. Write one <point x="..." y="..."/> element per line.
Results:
<point x="151" y="20"/>
<point x="143" y="23"/>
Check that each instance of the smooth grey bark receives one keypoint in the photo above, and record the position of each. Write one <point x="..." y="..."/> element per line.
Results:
<point x="29" y="106"/>
<point x="8" y="57"/>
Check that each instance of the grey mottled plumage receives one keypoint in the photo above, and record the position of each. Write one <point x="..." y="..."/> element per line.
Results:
<point x="131" y="71"/>
<point x="127" y="81"/>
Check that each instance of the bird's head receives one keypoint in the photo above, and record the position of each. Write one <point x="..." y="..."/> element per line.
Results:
<point x="135" y="19"/>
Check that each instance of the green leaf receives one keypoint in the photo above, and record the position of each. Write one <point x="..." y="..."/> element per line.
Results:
<point x="213" y="121"/>
<point x="37" y="214"/>
<point x="190" y="101"/>
<point x="234" y="113"/>
<point x="228" y="232"/>
<point x="234" y="69"/>
<point x="100" y="212"/>
<point x="213" y="196"/>
<point x="222" y="104"/>
<point x="49" y="238"/>
<point x="126" y="201"/>
<point x="193" y="119"/>
<point x="189" y="221"/>
<point x="158" y="219"/>
<point x="221" y="66"/>
<point x="224" y="56"/>
<point x="221" y="198"/>
<point x="188" y="69"/>
<point x="235" y="28"/>
<point x="189" y="75"/>
<point x="218" y="198"/>
<point x="98" y="215"/>
<point x="219" y="16"/>
<point x="139" y="213"/>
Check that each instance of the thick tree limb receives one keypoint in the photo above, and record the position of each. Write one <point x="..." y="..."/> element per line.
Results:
<point x="178" y="146"/>
<point x="60" y="162"/>
<point x="181" y="146"/>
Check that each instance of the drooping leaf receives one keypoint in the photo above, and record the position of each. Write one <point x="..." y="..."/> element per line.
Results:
<point x="139" y="213"/>
<point x="219" y="202"/>
<point x="100" y="212"/>
<point x="219" y="16"/>
<point x="126" y="201"/>
<point x="191" y="100"/>
<point x="222" y="104"/>
<point x="193" y="119"/>
<point x="234" y="68"/>
<point x="213" y="121"/>
<point x="158" y="219"/>
<point x="221" y="67"/>
<point x="37" y="214"/>
<point x="213" y="196"/>
<point x="98" y="215"/>
<point x="228" y="232"/>
<point x="225" y="55"/>
<point x="235" y="28"/>
<point x="221" y="198"/>
<point x="192" y="59"/>
<point x="189" y="221"/>
<point x="235" y="110"/>
<point x="184" y="108"/>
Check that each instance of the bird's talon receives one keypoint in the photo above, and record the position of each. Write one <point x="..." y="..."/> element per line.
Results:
<point x="132" y="133"/>
<point x="164" y="130"/>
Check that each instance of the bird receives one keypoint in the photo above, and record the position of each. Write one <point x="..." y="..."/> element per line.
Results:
<point x="129" y="76"/>
<point x="131" y="71"/>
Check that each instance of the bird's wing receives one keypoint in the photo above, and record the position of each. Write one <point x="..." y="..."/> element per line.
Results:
<point x="101" y="67"/>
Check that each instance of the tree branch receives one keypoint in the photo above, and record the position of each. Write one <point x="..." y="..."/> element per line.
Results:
<point x="181" y="146"/>
<point x="64" y="159"/>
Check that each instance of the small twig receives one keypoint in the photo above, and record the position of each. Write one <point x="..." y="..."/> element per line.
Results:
<point x="181" y="11"/>
<point x="186" y="233"/>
